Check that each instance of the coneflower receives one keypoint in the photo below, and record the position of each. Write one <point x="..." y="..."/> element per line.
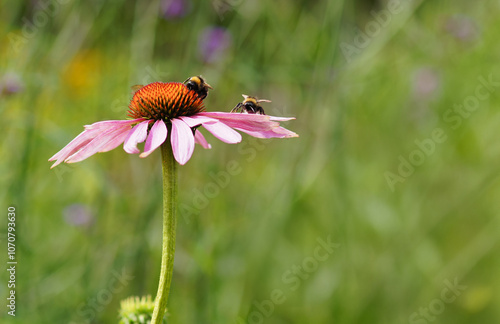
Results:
<point x="168" y="115"/>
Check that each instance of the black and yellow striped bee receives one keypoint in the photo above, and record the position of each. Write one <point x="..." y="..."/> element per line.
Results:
<point x="250" y="105"/>
<point x="198" y="85"/>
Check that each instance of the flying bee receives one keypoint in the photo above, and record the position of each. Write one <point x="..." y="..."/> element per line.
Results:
<point x="250" y="105"/>
<point x="198" y="85"/>
<point x="136" y="88"/>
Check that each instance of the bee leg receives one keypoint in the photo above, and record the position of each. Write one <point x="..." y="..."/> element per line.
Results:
<point x="236" y="108"/>
<point x="260" y="111"/>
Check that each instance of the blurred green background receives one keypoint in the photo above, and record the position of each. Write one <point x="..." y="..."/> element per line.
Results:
<point x="397" y="163"/>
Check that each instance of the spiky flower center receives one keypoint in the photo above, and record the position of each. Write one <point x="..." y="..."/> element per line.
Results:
<point x="164" y="101"/>
<point x="135" y="310"/>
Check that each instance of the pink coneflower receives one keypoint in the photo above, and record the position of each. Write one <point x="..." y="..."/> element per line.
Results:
<point x="163" y="112"/>
<point x="161" y="109"/>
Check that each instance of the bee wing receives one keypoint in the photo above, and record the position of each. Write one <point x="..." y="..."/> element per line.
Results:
<point x="136" y="88"/>
<point x="263" y="100"/>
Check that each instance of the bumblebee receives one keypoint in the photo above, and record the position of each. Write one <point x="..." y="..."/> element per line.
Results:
<point x="198" y="85"/>
<point x="250" y="105"/>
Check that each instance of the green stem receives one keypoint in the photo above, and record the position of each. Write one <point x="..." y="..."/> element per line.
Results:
<point x="169" y="167"/>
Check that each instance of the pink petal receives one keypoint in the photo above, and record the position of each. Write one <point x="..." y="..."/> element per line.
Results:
<point x="76" y="144"/>
<point x="156" y="137"/>
<point x="106" y="124"/>
<point x="200" y="139"/>
<point x="223" y="116"/>
<point x="115" y="141"/>
<point x="182" y="140"/>
<point x="223" y="132"/>
<point x="262" y="126"/>
<point x="197" y="120"/>
<point x="137" y="135"/>
<point x="89" y="134"/>
<point x="251" y="122"/>
<point x="105" y="141"/>
<point x="281" y="118"/>
<point x="278" y="132"/>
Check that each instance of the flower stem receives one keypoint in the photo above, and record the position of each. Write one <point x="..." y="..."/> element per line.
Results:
<point x="169" y="168"/>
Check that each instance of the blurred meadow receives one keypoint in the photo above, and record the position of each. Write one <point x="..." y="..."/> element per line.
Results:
<point x="384" y="210"/>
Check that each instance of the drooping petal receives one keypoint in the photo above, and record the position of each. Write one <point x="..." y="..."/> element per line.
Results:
<point x="103" y="142"/>
<point x="239" y="116"/>
<point x="262" y="126"/>
<point x="156" y="137"/>
<point x="197" y="120"/>
<point x="89" y="134"/>
<point x="277" y="132"/>
<point x="200" y="139"/>
<point x="106" y="124"/>
<point x="251" y="122"/>
<point x="223" y="132"/>
<point x="115" y="141"/>
<point x="281" y="118"/>
<point x="182" y="140"/>
<point x="76" y="144"/>
<point x="233" y="116"/>
<point x="137" y="135"/>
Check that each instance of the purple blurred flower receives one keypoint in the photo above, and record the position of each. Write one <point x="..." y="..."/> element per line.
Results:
<point x="213" y="43"/>
<point x="78" y="215"/>
<point x="10" y="83"/>
<point x="171" y="9"/>
<point x="462" y="28"/>
<point x="426" y="82"/>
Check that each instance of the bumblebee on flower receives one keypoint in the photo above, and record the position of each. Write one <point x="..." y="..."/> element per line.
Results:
<point x="160" y="109"/>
